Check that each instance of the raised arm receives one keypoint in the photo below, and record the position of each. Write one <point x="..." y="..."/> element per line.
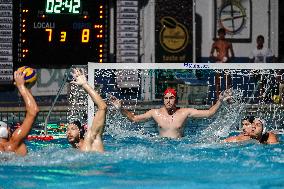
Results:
<point x="93" y="141"/>
<point x="208" y="113"/>
<point x="137" y="118"/>
<point x="99" y="118"/>
<point x="31" y="107"/>
<point x="131" y="116"/>
<point x="272" y="139"/>
<point x="204" y="113"/>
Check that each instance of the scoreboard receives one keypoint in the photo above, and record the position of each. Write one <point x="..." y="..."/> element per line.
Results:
<point x="6" y="42"/>
<point x="60" y="33"/>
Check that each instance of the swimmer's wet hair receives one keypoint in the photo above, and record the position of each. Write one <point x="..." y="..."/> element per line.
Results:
<point x="250" y="118"/>
<point x="80" y="127"/>
<point x="12" y="127"/>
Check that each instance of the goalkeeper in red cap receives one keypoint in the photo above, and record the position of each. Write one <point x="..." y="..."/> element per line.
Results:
<point x="169" y="117"/>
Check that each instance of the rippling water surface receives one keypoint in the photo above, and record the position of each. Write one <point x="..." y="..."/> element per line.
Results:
<point x="136" y="157"/>
<point x="152" y="162"/>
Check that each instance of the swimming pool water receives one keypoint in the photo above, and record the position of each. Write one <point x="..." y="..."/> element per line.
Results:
<point x="136" y="157"/>
<point x="144" y="161"/>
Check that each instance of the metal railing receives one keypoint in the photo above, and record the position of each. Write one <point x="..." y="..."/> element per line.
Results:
<point x="55" y="99"/>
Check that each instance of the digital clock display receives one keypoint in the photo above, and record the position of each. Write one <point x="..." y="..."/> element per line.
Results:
<point x="63" y="6"/>
<point x="58" y="33"/>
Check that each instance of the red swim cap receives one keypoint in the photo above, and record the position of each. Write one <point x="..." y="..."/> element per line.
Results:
<point x="170" y="90"/>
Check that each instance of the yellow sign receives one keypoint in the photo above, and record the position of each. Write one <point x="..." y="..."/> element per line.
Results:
<point x="173" y="36"/>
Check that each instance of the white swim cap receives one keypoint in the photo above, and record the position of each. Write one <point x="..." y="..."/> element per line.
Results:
<point x="3" y="124"/>
<point x="263" y="125"/>
<point x="3" y="130"/>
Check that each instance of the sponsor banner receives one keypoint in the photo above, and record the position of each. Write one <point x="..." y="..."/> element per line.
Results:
<point x="6" y="39"/>
<point x="125" y="28"/>
<point x="6" y="58"/>
<point x="6" y="6"/>
<point x="127" y="47"/>
<point x="128" y="59"/>
<point x="128" y="40"/>
<point x="6" y="45"/>
<point x="7" y="26"/>
<point x="6" y="13"/>
<point x="6" y="71"/>
<point x="173" y="31"/>
<point x="127" y="15"/>
<point x="127" y="21"/>
<point x="128" y="35"/>
<point x="5" y="52"/>
<point x="127" y="25"/>
<point x="6" y="1"/>
<point x="128" y="9"/>
<point x="5" y="65"/>
<point x="6" y="20"/>
<point x="49" y="82"/>
<point x="127" y="3"/>
<point x="6" y="42"/>
<point x="128" y="53"/>
<point x="6" y="79"/>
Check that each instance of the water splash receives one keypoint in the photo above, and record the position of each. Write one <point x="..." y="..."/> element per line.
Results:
<point x="119" y="127"/>
<point x="227" y="117"/>
<point x="78" y="103"/>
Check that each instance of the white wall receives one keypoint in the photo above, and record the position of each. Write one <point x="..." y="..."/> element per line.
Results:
<point x="275" y="25"/>
<point x="147" y="32"/>
<point x="147" y="47"/>
<point x="205" y="8"/>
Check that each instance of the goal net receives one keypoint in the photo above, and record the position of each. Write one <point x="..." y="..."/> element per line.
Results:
<point x="257" y="89"/>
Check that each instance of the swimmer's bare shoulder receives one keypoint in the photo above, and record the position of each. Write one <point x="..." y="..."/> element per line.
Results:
<point x="155" y="111"/>
<point x="22" y="149"/>
<point x="272" y="139"/>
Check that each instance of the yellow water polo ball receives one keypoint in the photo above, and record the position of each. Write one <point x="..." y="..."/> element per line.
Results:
<point x="30" y="76"/>
<point x="277" y="99"/>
